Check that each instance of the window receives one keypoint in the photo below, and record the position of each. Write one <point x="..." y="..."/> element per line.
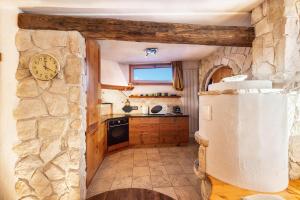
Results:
<point x="151" y="74"/>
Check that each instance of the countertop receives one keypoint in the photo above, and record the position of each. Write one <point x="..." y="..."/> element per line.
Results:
<point x="113" y="116"/>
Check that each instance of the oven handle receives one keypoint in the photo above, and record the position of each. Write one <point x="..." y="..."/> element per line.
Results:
<point x="118" y="125"/>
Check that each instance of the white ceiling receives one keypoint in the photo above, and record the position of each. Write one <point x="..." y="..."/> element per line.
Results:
<point x="133" y="52"/>
<point x="205" y="12"/>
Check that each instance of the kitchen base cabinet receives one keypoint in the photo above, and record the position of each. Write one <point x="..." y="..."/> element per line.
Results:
<point x="91" y="155"/>
<point x="158" y="130"/>
<point x="96" y="145"/>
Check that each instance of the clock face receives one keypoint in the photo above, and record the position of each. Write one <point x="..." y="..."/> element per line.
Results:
<point x="44" y="67"/>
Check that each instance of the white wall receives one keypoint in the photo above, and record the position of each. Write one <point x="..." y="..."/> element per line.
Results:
<point x="8" y="99"/>
<point x="113" y="73"/>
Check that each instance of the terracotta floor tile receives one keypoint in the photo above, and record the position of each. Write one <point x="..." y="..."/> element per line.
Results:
<point x="106" y="163"/>
<point x="158" y="170"/>
<point x="175" y="149"/>
<point x="140" y="156"/>
<point x="180" y="180"/>
<point x="152" y="150"/>
<point x="161" y="181"/>
<point x="169" y="191"/>
<point x="124" y="172"/>
<point x="167" y="154"/>
<point x="126" y="157"/>
<point x="142" y="182"/>
<point x="140" y="150"/>
<point x="194" y="180"/>
<point x="119" y="183"/>
<point x="153" y="163"/>
<point x="174" y="169"/>
<point x="141" y="171"/>
<point x="140" y="163"/>
<point x="105" y="173"/>
<point x="125" y="164"/>
<point x="185" y="161"/>
<point x="99" y="185"/>
<point x="163" y="150"/>
<point x="186" y="193"/>
<point x="169" y="161"/>
<point x="187" y="168"/>
<point x="127" y="152"/>
<point x="114" y="156"/>
<point x="153" y="156"/>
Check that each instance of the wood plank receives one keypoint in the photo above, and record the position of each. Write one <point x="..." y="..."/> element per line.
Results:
<point x="141" y="31"/>
<point x="116" y="87"/>
<point x="177" y="96"/>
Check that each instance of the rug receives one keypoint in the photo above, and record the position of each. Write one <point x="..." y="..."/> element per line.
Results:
<point x="263" y="197"/>
<point x="131" y="194"/>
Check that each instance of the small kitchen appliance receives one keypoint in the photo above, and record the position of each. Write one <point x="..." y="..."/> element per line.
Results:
<point x="177" y="110"/>
<point x="158" y="109"/>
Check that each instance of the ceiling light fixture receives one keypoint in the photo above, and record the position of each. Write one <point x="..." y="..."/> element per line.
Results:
<point x="151" y="51"/>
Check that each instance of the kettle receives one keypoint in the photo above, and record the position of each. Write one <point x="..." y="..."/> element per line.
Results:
<point x="176" y="110"/>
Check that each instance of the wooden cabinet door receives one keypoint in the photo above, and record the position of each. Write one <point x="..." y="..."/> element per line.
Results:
<point x="183" y="129"/>
<point x="93" y="78"/>
<point x="93" y="139"/>
<point x="143" y="130"/>
<point x="92" y="155"/>
<point x="102" y="144"/>
<point x="168" y="131"/>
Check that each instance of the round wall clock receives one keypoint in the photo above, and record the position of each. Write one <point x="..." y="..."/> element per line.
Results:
<point x="44" y="67"/>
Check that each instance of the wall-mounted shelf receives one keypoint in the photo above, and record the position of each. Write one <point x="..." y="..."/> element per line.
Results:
<point x="115" y="87"/>
<point x="154" y="97"/>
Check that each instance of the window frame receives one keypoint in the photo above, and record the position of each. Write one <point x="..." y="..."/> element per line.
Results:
<point x="148" y="66"/>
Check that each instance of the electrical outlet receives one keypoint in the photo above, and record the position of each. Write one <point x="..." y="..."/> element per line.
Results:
<point x="134" y="107"/>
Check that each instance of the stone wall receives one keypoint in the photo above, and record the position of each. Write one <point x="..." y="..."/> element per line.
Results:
<point x="51" y="118"/>
<point x="276" y="47"/>
<point x="276" y="57"/>
<point x="238" y="58"/>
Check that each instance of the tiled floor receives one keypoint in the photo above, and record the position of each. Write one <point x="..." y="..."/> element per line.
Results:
<point x="168" y="170"/>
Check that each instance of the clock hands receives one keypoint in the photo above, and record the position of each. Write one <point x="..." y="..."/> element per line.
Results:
<point x="45" y="65"/>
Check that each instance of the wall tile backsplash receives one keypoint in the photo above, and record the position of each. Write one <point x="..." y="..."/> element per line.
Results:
<point x="118" y="99"/>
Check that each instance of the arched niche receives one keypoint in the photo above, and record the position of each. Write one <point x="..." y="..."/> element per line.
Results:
<point x="215" y="75"/>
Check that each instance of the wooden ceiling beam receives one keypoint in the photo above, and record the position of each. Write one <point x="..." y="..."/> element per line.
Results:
<point x="141" y="31"/>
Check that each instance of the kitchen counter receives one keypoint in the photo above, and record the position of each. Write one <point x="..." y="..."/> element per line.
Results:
<point x="113" y="116"/>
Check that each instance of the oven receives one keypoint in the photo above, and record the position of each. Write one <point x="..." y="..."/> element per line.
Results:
<point x="118" y="133"/>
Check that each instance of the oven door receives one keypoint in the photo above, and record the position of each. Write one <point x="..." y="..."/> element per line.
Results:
<point x="117" y="134"/>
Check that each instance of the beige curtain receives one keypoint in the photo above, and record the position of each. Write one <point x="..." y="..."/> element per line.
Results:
<point x="177" y="75"/>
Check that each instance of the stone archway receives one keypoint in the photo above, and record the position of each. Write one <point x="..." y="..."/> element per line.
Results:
<point x="223" y="71"/>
